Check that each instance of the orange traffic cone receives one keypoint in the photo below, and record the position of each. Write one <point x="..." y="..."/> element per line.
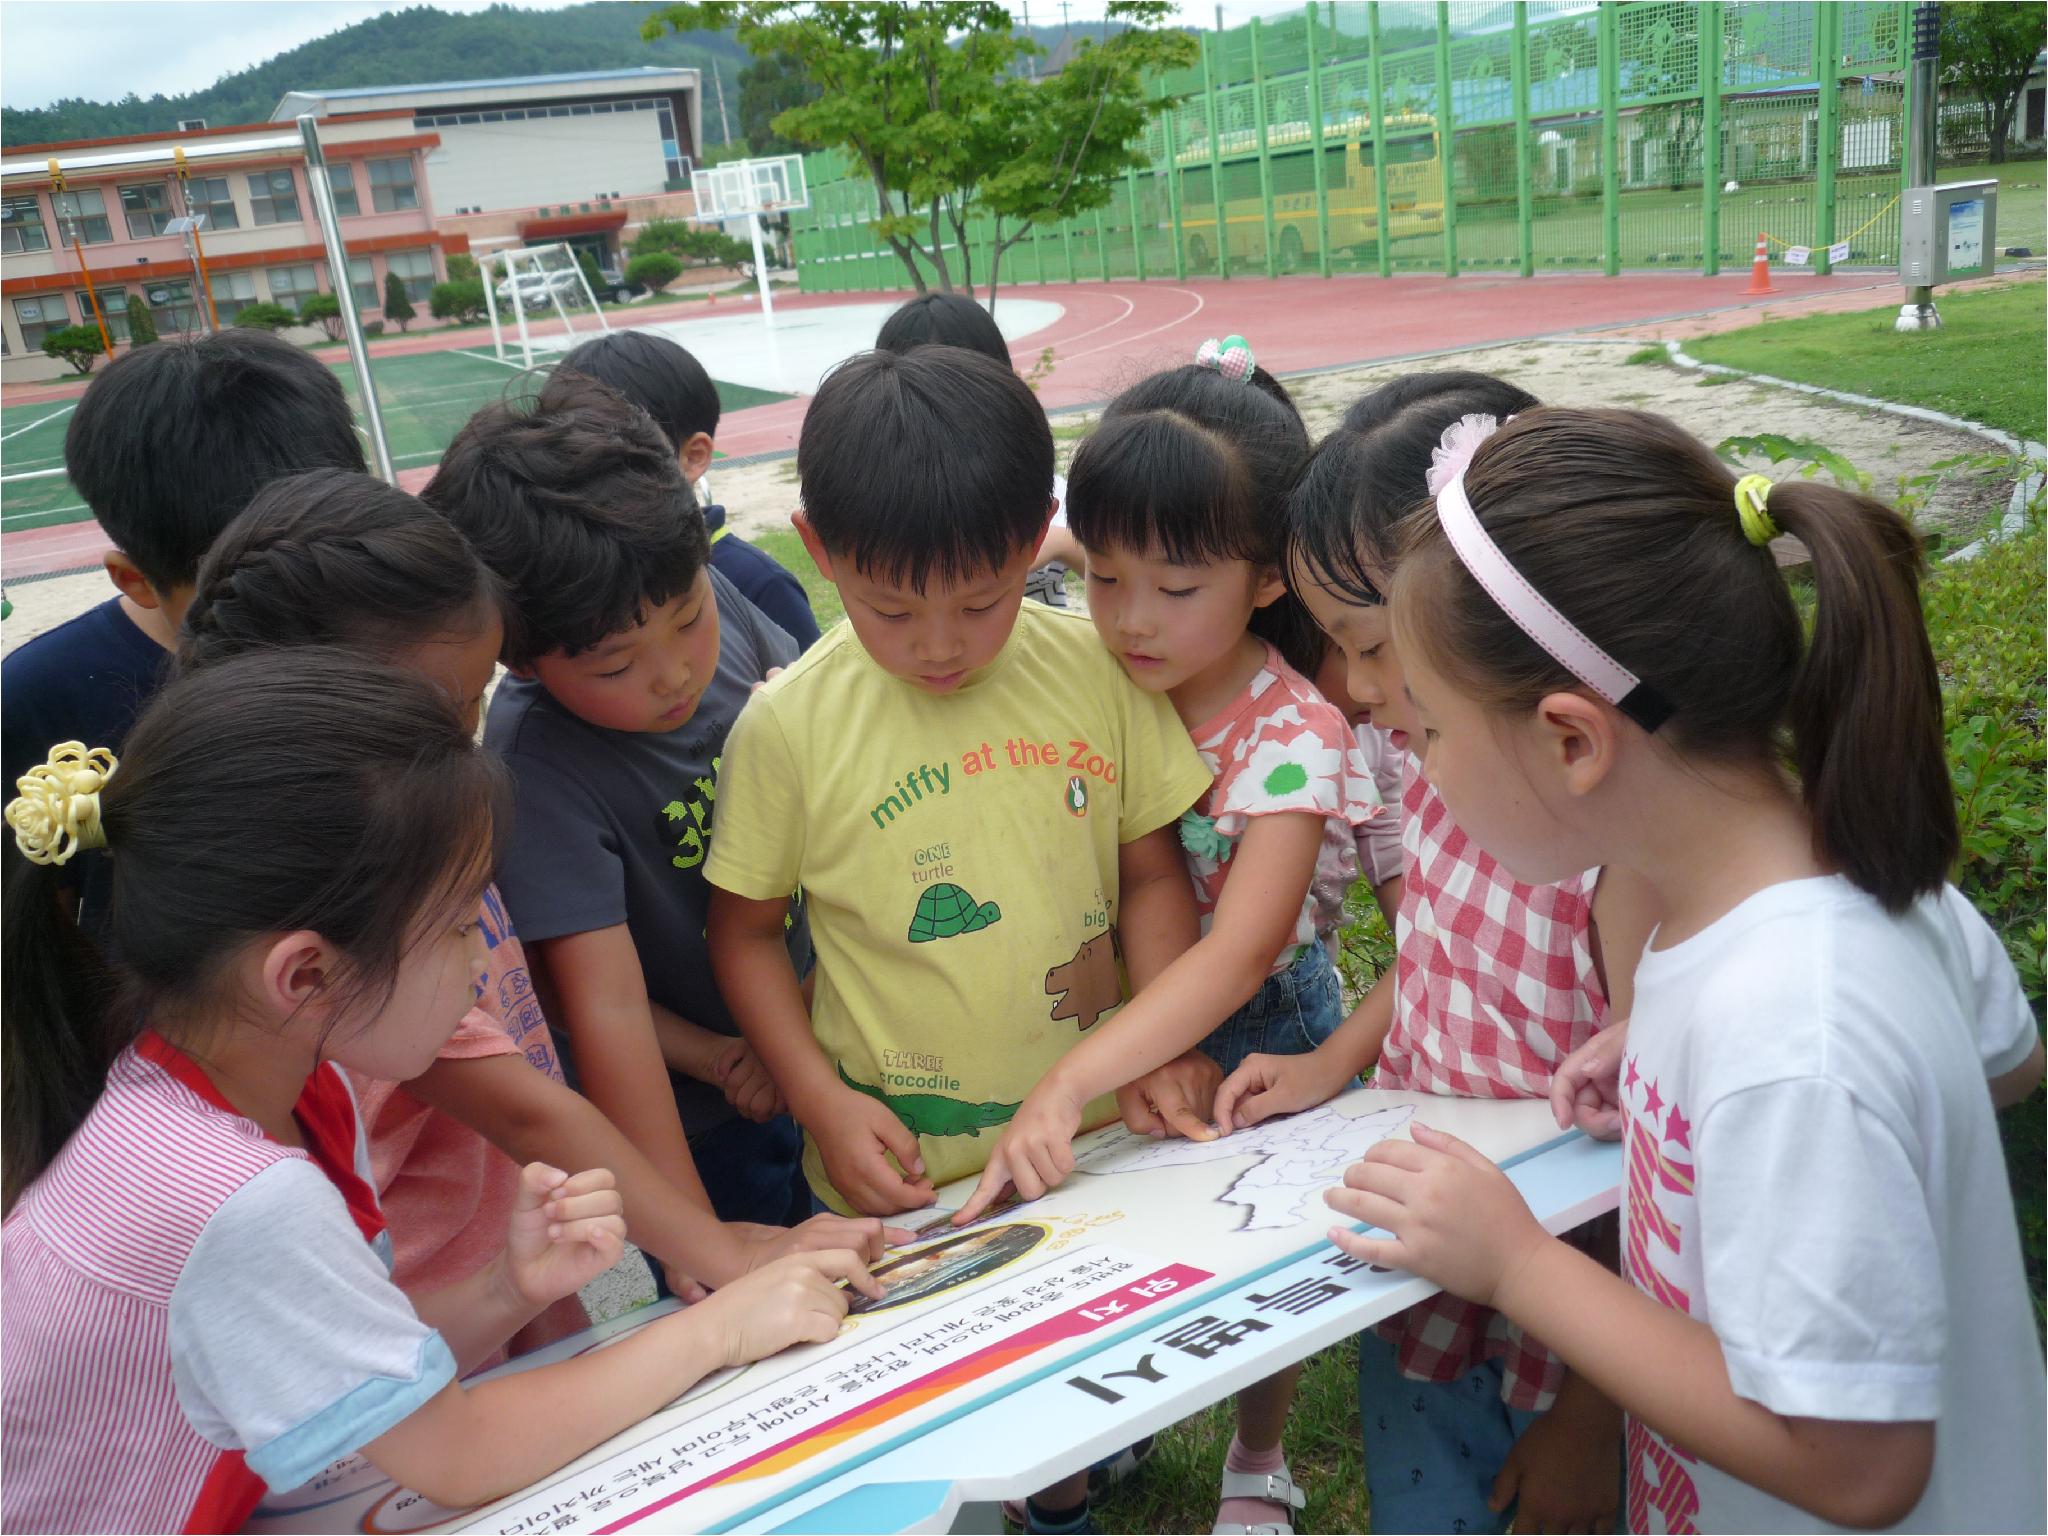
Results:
<point x="1760" y="272"/>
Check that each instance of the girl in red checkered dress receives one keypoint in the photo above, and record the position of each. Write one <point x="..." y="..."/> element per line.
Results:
<point x="1823" y="1318"/>
<point x="1467" y="1421"/>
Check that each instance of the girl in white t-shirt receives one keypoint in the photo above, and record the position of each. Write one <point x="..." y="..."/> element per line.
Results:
<point x="1824" y="1318"/>
<point x="195" y="1279"/>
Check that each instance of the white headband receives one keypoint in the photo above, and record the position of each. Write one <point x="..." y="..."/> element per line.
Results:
<point x="1512" y="592"/>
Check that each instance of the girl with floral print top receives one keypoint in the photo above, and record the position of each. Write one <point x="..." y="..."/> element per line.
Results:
<point x="1179" y="500"/>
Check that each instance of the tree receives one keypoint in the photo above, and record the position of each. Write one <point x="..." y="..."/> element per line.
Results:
<point x="1045" y="151"/>
<point x="78" y="345"/>
<point x="141" y="323"/>
<point x="654" y="271"/>
<point x="266" y="317"/>
<point x="1989" y="49"/>
<point x="463" y="269"/>
<point x="324" y="310"/>
<point x="397" y="306"/>
<point x="460" y="302"/>
<point x="770" y="86"/>
<point x="591" y="274"/>
<point x="930" y="102"/>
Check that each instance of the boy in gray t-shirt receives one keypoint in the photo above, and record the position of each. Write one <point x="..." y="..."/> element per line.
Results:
<point x="631" y="658"/>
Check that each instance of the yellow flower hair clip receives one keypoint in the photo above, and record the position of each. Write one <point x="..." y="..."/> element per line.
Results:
<point x="58" y="810"/>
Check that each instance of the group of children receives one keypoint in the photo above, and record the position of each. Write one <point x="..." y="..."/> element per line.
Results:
<point x="341" y="1049"/>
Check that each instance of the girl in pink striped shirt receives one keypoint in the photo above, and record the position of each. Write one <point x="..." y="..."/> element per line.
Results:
<point x="195" y="1290"/>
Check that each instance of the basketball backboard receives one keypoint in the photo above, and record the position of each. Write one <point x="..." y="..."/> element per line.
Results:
<point x="774" y="184"/>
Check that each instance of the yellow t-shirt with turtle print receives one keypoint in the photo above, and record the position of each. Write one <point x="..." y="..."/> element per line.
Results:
<point x="958" y="858"/>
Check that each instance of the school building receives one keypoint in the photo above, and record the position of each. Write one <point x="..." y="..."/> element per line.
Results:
<point x="259" y="242"/>
<point x="584" y="158"/>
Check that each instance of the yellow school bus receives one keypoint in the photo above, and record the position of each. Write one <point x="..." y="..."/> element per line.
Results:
<point x="1415" y="190"/>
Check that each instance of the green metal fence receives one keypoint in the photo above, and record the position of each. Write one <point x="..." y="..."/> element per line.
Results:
<point x="1513" y="136"/>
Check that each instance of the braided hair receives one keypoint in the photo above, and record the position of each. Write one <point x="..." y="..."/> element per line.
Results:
<point x="333" y="558"/>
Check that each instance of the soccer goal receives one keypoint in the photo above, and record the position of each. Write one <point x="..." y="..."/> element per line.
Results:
<point x="534" y="282"/>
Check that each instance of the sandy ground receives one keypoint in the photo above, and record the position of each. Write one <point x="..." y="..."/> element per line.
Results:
<point x="1564" y="372"/>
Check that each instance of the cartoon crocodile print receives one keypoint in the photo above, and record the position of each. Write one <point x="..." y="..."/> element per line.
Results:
<point x="933" y="1114"/>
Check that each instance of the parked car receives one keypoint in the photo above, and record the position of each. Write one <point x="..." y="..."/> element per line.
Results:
<point x="613" y="287"/>
<point x="534" y="287"/>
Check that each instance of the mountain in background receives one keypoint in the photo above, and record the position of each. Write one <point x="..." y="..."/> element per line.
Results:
<point x="416" y="46"/>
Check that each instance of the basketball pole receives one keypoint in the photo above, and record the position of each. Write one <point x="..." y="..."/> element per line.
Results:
<point x="761" y="270"/>
<point x="321" y="189"/>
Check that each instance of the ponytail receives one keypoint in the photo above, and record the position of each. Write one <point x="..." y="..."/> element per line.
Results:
<point x="1629" y="527"/>
<point x="58" y="1038"/>
<point x="1865" y="707"/>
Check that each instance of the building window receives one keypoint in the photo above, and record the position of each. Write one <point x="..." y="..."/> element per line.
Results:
<point x="362" y="282"/>
<point x="342" y="178"/>
<point x="171" y="305"/>
<point x="273" y="199"/>
<point x="39" y="317"/>
<point x="214" y="198"/>
<point x="292" y="286"/>
<point x="233" y="292"/>
<point x="391" y="185"/>
<point x="21" y="226"/>
<point x="147" y="207"/>
<point x="415" y="269"/>
<point x="86" y="212"/>
<point x="113" y="305"/>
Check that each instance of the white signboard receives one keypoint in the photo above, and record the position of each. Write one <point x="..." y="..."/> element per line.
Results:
<point x="1142" y="1226"/>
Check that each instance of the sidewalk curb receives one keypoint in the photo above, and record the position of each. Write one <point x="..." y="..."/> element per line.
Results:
<point x="2015" y="519"/>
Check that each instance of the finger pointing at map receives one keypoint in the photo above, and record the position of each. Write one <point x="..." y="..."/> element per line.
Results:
<point x="1035" y="1153"/>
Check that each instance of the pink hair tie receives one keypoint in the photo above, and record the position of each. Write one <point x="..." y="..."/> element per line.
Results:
<point x="1231" y="357"/>
<point x="1512" y="592"/>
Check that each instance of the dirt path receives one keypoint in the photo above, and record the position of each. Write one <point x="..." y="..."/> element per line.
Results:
<point x="1567" y="372"/>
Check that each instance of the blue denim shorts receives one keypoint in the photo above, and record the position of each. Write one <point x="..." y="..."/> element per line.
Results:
<point x="1295" y="1011"/>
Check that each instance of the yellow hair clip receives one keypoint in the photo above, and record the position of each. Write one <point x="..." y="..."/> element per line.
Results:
<point x="58" y="810"/>
<point x="1751" y="492"/>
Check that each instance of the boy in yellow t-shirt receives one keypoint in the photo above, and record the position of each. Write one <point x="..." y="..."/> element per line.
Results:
<point x="977" y="802"/>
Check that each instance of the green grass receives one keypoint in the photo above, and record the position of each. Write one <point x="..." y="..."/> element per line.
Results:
<point x="1985" y="364"/>
<point x="425" y="398"/>
<point x="789" y="552"/>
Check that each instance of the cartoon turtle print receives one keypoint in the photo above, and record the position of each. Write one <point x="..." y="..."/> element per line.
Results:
<point x="945" y="911"/>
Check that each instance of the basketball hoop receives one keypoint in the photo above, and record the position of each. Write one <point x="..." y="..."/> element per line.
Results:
<point x="750" y="190"/>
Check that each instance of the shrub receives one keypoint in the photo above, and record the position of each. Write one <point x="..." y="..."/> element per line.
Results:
<point x="78" y="345"/>
<point x="463" y="269"/>
<point x="141" y="323"/>
<point x="397" y="306"/>
<point x="460" y="302"/>
<point x="591" y="274"/>
<point x="691" y="244"/>
<point x="266" y="317"/>
<point x="324" y="310"/>
<point x="654" y="271"/>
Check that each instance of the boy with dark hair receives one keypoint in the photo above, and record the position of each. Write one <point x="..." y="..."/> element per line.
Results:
<point x="670" y="385"/>
<point x="969" y="789"/>
<point x="631" y="655"/>
<point x="956" y="320"/>
<point x="166" y="447"/>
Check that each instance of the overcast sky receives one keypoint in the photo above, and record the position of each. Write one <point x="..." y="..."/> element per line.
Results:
<point x="103" y="49"/>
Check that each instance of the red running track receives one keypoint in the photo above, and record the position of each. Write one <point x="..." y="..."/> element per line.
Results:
<point x="1112" y="334"/>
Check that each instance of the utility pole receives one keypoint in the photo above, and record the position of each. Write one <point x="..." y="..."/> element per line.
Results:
<point x="1923" y="105"/>
<point x="724" y="127"/>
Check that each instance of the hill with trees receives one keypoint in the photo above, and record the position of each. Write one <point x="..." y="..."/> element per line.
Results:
<point x="413" y="46"/>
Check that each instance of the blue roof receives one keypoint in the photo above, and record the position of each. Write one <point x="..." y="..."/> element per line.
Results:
<point x="635" y="72"/>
